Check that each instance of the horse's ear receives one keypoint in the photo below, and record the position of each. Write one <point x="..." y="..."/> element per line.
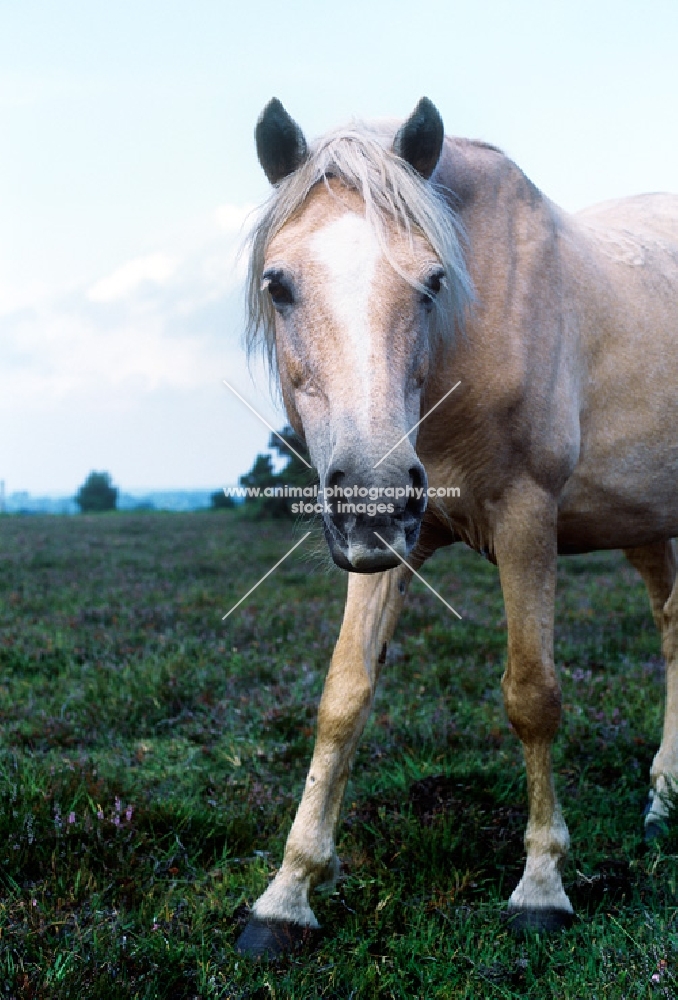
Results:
<point x="281" y="146"/>
<point x="419" y="140"/>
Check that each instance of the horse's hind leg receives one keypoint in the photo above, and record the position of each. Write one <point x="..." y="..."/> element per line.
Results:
<point x="657" y="566"/>
<point x="283" y="913"/>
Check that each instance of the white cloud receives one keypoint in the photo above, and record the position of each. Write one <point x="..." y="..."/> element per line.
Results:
<point x="155" y="336"/>
<point x="165" y="320"/>
<point x="155" y="269"/>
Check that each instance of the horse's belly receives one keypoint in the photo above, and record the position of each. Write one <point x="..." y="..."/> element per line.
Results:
<point x="627" y="505"/>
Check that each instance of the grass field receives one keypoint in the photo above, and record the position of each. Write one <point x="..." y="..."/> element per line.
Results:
<point x="151" y="758"/>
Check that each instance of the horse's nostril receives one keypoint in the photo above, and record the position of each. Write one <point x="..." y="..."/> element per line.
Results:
<point x="334" y="478"/>
<point x="416" y="505"/>
<point x="417" y="477"/>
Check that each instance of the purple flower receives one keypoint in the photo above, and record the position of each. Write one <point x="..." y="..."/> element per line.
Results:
<point x="71" y="818"/>
<point x="128" y="813"/>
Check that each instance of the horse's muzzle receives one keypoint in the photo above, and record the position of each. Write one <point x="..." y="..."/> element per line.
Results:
<point x="372" y="548"/>
<point x="373" y="528"/>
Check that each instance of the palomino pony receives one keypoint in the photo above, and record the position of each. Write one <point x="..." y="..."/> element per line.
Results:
<point x="388" y="265"/>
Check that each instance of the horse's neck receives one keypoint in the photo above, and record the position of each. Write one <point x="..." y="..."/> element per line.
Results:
<point x="478" y="176"/>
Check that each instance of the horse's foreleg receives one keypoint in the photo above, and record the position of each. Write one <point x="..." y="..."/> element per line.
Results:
<point x="657" y="566"/>
<point x="525" y="547"/>
<point x="283" y="912"/>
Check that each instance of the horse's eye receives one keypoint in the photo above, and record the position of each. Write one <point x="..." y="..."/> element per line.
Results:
<point x="280" y="293"/>
<point x="432" y="285"/>
<point x="279" y="290"/>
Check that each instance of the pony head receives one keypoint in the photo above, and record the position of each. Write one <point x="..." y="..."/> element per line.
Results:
<point x="356" y="280"/>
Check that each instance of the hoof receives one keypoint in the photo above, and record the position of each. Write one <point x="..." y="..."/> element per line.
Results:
<point x="534" y="919"/>
<point x="271" y="938"/>
<point x="656" y="828"/>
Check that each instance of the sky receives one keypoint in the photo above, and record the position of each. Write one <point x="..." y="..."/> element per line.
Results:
<point x="128" y="173"/>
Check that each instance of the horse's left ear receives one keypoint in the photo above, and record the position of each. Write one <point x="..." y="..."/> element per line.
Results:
<point x="281" y="146"/>
<point x="419" y="140"/>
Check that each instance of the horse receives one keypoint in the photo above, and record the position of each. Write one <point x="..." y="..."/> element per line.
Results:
<point x="389" y="264"/>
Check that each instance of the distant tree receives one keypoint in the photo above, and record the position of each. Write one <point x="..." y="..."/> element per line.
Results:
<point x="219" y="501"/>
<point x="294" y="473"/>
<point x="261" y="476"/>
<point x="97" y="494"/>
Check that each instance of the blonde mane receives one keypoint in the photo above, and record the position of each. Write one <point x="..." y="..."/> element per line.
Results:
<point x="360" y="157"/>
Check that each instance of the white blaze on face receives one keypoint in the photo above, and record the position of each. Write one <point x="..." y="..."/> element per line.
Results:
<point x="348" y="249"/>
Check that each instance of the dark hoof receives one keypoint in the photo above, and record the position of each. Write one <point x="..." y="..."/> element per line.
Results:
<point x="656" y="829"/>
<point x="542" y="920"/>
<point x="271" y="938"/>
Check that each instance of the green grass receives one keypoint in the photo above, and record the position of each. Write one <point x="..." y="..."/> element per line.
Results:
<point x="152" y="757"/>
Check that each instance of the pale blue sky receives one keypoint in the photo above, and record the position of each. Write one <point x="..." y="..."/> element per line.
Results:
<point x="127" y="163"/>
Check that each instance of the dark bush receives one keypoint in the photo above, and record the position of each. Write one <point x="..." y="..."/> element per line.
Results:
<point x="97" y="494"/>
<point x="294" y="473"/>
<point x="219" y="501"/>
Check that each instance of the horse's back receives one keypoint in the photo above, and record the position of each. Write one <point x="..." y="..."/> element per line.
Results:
<point x="623" y="491"/>
<point x="654" y="215"/>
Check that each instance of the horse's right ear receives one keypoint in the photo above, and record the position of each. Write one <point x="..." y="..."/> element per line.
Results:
<point x="281" y="146"/>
